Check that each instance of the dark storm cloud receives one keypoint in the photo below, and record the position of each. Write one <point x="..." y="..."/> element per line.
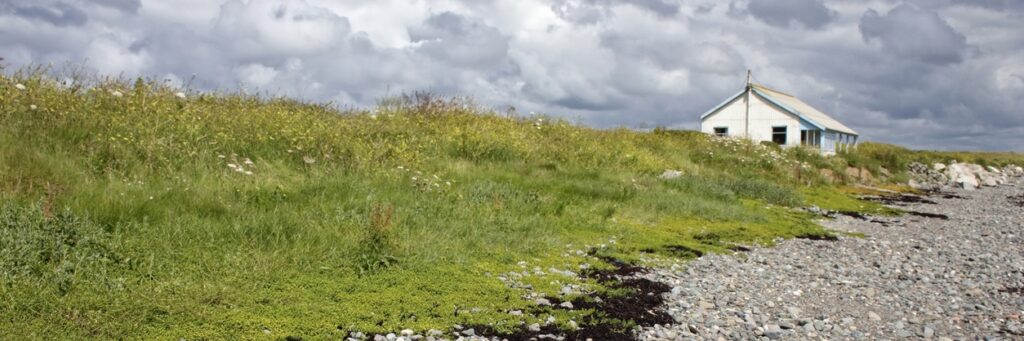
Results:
<point x="127" y="6"/>
<point x="592" y="11"/>
<point x="454" y="38"/>
<point x="57" y="13"/>
<point x="926" y="73"/>
<point x="811" y="14"/>
<point x="909" y="32"/>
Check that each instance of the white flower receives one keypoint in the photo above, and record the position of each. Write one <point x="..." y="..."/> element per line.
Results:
<point x="308" y="160"/>
<point x="248" y="162"/>
<point x="33" y="107"/>
<point x="248" y="172"/>
<point x="240" y="170"/>
<point x="232" y="166"/>
<point x="414" y="178"/>
<point x="179" y="95"/>
<point x="20" y="86"/>
<point x="448" y="183"/>
<point x="116" y="93"/>
<point x="220" y="156"/>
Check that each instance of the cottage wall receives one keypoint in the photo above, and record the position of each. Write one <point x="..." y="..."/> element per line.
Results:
<point x="763" y="117"/>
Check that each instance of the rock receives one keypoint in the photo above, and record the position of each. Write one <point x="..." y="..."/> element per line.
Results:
<point x="533" y="327"/>
<point x="773" y="331"/>
<point x="874" y="316"/>
<point x="938" y="167"/>
<point x="406" y="332"/>
<point x="928" y="332"/>
<point x="566" y="305"/>
<point x="670" y="174"/>
<point x="542" y="302"/>
<point x="469" y="332"/>
<point x="827" y="174"/>
<point x="967" y="182"/>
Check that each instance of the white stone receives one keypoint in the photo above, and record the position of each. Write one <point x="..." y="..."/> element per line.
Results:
<point x="670" y="174"/>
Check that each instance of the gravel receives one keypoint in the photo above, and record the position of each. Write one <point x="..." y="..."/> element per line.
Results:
<point x="910" y="277"/>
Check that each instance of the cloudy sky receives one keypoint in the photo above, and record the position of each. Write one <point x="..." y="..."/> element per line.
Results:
<point x="942" y="74"/>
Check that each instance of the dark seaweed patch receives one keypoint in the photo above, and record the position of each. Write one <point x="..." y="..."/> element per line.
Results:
<point x="684" y="251"/>
<point x="818" y="236"/>
<point x="898" y="199"/>
<point x="613" y="312"/>
<point x="928" y="215"/>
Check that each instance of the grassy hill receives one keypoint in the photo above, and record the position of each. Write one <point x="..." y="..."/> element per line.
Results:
<point x="132" y="211"/>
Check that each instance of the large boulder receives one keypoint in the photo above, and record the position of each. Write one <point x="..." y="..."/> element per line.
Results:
<point x="926" y="178"/>
<point x="938" y="167"/>
<point x="989" y="179"/>
<point x="963" y="175"/>
<point x="1013" y="170"/>
<point x="862" y="174"/>
<point x="966" y="181"/>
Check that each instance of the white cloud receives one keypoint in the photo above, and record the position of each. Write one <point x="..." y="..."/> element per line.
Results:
<point x="926" y="73"/>
<point x="256" y="75"/>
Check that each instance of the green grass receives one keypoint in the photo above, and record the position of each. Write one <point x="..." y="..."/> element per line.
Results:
<point x="121" y="217"/>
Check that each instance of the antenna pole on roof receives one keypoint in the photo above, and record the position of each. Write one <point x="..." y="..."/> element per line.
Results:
<point x="747" y="118"/>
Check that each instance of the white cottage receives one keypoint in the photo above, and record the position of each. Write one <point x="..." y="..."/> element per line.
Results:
<point x="763" y="114"/>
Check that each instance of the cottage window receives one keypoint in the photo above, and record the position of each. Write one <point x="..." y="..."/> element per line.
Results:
<point x="809" y="137"/>
<point x="779" y="135"/>
<point x="721" y="131"/>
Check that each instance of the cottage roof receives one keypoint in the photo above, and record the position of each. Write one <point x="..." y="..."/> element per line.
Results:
<point x="800" y="108"/>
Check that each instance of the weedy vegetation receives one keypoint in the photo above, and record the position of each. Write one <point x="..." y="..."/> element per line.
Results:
<point x="133" y="209"/>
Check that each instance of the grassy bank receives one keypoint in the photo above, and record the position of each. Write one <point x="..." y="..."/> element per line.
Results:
<point x="133" y="211"/>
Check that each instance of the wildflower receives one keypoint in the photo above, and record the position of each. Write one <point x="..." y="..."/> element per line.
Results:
<point x="221" y="156"/>
<point x="308" y="160"/>
<point x="240" y="170"/>
<point x="116" y="93"/>
<point x="20" y="86"/>
<point x="414" y="178"/>
<point x="232" y="166"/>
<point x="248" y="162"/>
<point x="400" y="167"/>
<point x="248" y="172"/>
<point x="448" y="183"/>
<point x="179" y="95"/>
<point x="33" y="107"/>
<point x="150" y="198"/>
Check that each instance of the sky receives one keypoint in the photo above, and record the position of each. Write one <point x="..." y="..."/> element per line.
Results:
<point x="936" y="74"/>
